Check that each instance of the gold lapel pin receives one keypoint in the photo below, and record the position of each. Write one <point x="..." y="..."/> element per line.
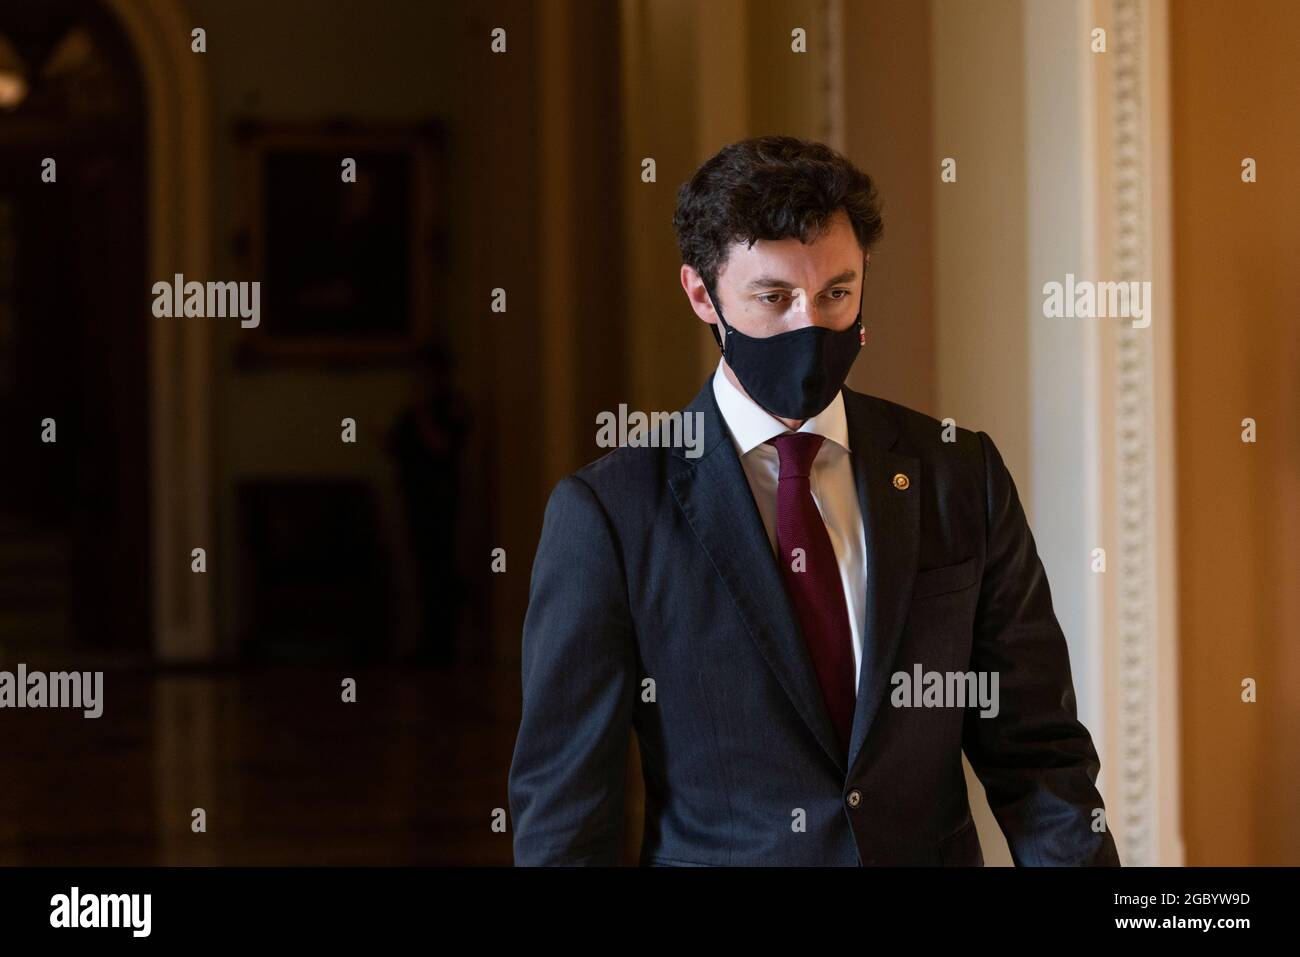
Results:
<point x="900" y="481"/>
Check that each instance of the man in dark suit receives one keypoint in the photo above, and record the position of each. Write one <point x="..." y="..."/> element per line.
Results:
<point x="807" y="619"/>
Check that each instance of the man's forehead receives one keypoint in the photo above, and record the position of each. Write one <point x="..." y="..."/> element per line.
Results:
<point x="777" y="265"/>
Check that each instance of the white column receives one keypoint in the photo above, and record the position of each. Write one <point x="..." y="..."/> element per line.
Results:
<point x="1102" y="471"/>
<point x="180" y="363"/>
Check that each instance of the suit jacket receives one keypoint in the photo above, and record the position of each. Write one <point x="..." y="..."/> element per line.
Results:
<point x="656" y="605"/>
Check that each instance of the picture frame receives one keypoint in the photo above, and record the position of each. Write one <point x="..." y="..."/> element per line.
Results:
<point x="347" y="268"/>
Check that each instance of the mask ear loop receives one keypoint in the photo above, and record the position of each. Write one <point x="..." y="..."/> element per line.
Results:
<point x="713" y="327"/>
<point x="862" y="329"/>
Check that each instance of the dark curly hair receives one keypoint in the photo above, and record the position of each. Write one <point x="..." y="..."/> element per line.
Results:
<point x="769" y="187"/>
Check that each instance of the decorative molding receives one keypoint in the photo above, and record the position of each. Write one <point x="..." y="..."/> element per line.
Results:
<point x="1135" y="531"/>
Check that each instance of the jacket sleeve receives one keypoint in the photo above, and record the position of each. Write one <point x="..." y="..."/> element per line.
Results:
<point x="1035" y="759"/>
<point x="579" y="682"/>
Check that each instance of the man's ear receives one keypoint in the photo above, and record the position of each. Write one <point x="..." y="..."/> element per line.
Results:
<point x="698" y="295"/>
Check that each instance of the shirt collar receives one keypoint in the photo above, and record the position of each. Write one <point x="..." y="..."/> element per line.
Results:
<point x="751" y="425"/>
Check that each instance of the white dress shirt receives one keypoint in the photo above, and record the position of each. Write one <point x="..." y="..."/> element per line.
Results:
<point x="833" y="487"/>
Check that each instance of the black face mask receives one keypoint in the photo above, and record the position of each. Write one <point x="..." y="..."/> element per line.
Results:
<point x="795" y="374"/>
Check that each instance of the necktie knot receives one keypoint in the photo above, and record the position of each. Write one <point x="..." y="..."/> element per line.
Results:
<point x="796" y="451"/>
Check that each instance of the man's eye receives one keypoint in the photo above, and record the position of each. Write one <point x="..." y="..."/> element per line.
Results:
<point x="774" y="298"/>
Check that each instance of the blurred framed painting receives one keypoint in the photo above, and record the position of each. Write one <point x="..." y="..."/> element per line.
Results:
<point x="344" y="225"/>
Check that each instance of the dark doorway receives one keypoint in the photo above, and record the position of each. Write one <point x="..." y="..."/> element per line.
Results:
<point x="74" y="313"/>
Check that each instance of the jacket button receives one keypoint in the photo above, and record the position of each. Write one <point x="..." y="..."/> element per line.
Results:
<point x="855" y="798"/>
<point x="901" y="481"/>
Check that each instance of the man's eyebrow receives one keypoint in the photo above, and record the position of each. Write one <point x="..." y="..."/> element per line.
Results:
<point x="769" y="282"/>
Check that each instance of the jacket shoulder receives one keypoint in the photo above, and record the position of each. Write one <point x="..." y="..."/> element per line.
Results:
<point x="924" y="436"/>
<point x="625" y="481"/>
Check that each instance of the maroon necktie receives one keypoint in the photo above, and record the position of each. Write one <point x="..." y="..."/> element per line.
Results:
<point x="816" y="592"/>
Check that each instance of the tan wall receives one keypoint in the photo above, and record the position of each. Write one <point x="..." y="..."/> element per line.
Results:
<point x="659" y="119"/>
<point x="980" y="224"/>
<point x="979" y="346"/>
<point x="1235" y="77"/>
<point x="785" y="88"/>
<point x="887" y="107"/>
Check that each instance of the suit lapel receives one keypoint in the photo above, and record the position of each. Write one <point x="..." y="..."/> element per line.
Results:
<point x="892" y="521"/>
<point x="714" y="496"/>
